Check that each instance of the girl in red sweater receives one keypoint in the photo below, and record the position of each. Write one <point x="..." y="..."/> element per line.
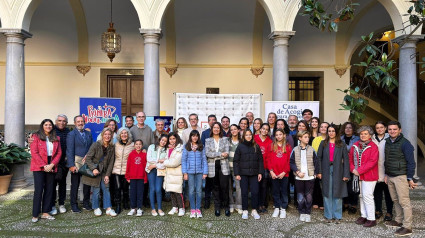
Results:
<point x="278" y="160"/>
<point x="136" y="176"/>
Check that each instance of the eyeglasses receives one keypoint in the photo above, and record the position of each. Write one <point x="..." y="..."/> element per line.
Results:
<point x="141" y="116"/>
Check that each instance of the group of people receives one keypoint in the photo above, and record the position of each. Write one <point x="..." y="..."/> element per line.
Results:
<point x="328" y="170"/>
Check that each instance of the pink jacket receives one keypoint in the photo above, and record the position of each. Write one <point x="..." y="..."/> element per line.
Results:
<point x="368" y="169"/>
<point x="39" y="154"/>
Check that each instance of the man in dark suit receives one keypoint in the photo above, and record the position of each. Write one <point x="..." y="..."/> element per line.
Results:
<point x="78" y="144"/>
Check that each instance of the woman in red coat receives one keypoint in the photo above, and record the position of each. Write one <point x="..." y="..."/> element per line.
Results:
<point x="46" y="153"/>
<point x="364" y="157"/>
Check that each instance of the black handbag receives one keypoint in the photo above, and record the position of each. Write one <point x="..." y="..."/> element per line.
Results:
<point x="86" y="171"/>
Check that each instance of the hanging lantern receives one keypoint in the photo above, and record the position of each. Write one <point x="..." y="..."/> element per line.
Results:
<point x="111" y="41"/>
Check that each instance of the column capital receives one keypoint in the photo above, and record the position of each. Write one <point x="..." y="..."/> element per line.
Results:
<point x="408" y="39"/>
<point x="281" y="34"/>
<point x="15" y="32"/>
<point x="151" y="36"/>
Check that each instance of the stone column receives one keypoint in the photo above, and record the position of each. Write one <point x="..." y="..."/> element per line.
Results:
<point x="407" y="91"/>
<point x="280" y="64"/>
<point x="151" y="76"/>
<point x="14" y="116"/>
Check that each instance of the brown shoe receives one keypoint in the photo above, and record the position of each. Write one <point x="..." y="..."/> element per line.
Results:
<point x="361" y="221"/>
<point x="369" y="223"/>
<point x="393" y="224"/>
<point x="403" y="232"/>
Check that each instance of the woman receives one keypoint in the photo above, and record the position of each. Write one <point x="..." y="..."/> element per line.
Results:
<point x="282" y="124"/>
<point x="46" y="153"/>
<point x="156" y="156"/>
<point x="217" y="152"/>
<point x="243" y="124"/>
<point x="302" y="126"/>
<point x="334" y="172"/>
<point x="113" y="125"/>
<point x="180" y="125"/>
<point x="264" y="142"/>
<point x="257" y="125"/>
<point x="249" y="170"/>
<point x="123" y="148"/>
<point x="173" y="181"/>
<point x="314" y="127"/>
<point x="278" y="163"/>
<point x="194" y="169"/>
<point x="317" y="193"/>
<point x="348" y="136"/>
<point x="364" y="157"/>
<point x="234" y="140"/>
<point x="381" y="187"/>
<point x="100" y="159"/>
<point x="271" y="120"/>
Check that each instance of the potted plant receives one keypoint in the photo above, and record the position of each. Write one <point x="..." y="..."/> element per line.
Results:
<point x="10" y="154"/>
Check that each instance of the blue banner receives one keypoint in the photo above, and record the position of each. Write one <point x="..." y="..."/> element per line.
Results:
<point x="96" y="111"/>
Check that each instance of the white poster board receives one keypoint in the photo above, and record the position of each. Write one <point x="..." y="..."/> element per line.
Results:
<point x="285" y="108"/>
<point x="235" y="106"/>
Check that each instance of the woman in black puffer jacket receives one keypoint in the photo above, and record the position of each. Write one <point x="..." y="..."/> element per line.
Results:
<point x="248" y="168"/>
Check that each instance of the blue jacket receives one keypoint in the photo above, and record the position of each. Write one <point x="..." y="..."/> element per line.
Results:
<point x="76" y="145"/>
<point x="353" y="140"/>
<point x="205" y="134"/>
<point x="194" y="162"/>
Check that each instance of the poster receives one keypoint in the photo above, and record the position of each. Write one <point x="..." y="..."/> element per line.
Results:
<point x="96" y="111"/>
<point x="285" y="108"/>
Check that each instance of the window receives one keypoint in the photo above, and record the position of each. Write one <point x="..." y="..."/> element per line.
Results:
<point x="304" y="89"/>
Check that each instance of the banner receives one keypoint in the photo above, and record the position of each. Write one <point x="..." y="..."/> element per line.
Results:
<point x="285" y="108"/>
<point x="235" y="106"/>
<point x="96" y="111"/>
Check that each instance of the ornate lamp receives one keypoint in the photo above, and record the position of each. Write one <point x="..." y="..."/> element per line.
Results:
<point x="111" y="41"/>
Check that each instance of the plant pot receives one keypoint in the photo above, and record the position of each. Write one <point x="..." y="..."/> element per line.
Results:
<point x="4" y="183"/>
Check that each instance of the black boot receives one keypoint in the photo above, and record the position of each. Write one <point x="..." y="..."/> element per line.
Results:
<point x="118" y="208"/>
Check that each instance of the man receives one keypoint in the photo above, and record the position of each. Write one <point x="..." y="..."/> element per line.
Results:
<point x="292" y="122"/>
<point x="78" y="144"/>
<point x="399" y="169"/>
<point x="142" y="132"/>
<point x="159" y="124"/>
<point x="206" y="133"/>
<point x="250" y="117"/>
<point x="193" y="121"/>
<point x="129" y="122"/>
<point x="307" y="115"/>
<point x="225" y="123"/>
<point x="271" y="119"/>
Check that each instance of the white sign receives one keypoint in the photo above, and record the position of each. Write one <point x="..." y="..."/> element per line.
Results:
<point x="235" y="106"/>
<point x="285" y="108"/>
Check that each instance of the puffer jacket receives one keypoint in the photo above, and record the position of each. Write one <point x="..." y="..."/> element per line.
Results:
<point x="248" y="160"/>
<point x="121" y="155"/>
<point x="194" y="162"/>
<point x="368" y="168"/>
<point x="173" y="181"/>
<point x="381" y="149"/>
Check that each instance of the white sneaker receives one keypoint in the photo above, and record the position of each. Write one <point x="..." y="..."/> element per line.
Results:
<point x="198" y="213"/>
<point x="111" y="213"/>
<point x="181" y="212"/>
<point x="139" y="213"/>
<point x="307" y="218"/>
<point x="192" y="213"/>
<point x="62" y="209"/>
<point x="275" y="212"/>
<point x="239" y="211"/>
<point x="282" y="213"/>
<point x="53" y="211"/>
<point x="302" y="217"/>
<point x="154" y="213"/>
<point x="254" y="213"/>
<point x="97" y="212"/>
<point x="173" y="211"/>
<point x="232" y="210"/>
<point x="161" y="213"/>
<point x="131" y="212"/>
<point x="245" y="214"/>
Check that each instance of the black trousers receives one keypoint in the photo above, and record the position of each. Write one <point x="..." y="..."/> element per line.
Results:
<point x="221" y="188"/>
<point x="249" y="183"/>
<point x="317" y="193"/>
<point x="305" y="190"/>
<point x="61" y="191"/>
<point x="381" y="189"/>
<point x="265" y="185"/>
<point x="43" y="192"/>
<point x="120" y="189"/>
<point x="353" y="197"/>
<point x="136" y="193"/>
<point x="209" y="187"/>
<point x="75" y="184"/>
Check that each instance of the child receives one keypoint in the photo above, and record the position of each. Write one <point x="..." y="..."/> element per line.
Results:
<point x="278" y="161"/>
<point x="195" y="169"/>
<point x="305" y="164"/>
<point x="136" y="175"/>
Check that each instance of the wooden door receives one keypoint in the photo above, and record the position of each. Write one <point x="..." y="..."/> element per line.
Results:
<point x="129" y="89"/>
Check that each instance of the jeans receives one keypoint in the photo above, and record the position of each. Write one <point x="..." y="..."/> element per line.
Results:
<point x="253" y="184"/>
<point x="280" y="192"/>
<point x="367" y="204"/>
<point x="43" y="192"/>
<point x="235" y="202"/>
<point x="195" y="190"/>
<point x="382" y="188"/>
<point x="155" y="188"/>
<point x="137" y="186"/>
<point x="304" y="195"/>
<point x="333" y="206"/>
<point x="106" y="196"/>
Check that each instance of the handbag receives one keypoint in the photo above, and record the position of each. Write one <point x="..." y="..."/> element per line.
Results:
<point x="86" y="171"/>
<point x="160" y="172"/>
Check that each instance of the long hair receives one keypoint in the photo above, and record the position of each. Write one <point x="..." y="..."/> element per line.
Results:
<point x="221" y="129"/>
<point x="251" y="143"/>
<point x="261" y="123"/>
<point x="107" y="124"/>
<point x="159" y="139"/>
<point x="286" y="126"/>
<point x="198" y="143"/>
<point x="275" y="146"/>
<point x="307" y="127"/>
<point x="338" y="141"/>
<point x="175" y="134"/>
<point x="342" y="131"/>
<point x="40" y="133"/>
<point x="239" y="135"/>
<point x="175" y="127"/>
<point x="103" y="132"/>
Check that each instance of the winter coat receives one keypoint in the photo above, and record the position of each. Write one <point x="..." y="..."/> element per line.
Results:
<point x="194" y="162"/>
<point x="248" y="161"/>
<point x="121" y="156"/>
<point x="92" y="160"/>
<point x="341" y="169"/>
<point x="381" y="149"/>
<point x="368" y="168"/>
<point x="173" y="180"/>
<point x="136" y="164"/>
<point x="39" y="154"/>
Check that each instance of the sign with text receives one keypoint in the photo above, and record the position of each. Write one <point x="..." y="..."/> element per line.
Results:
<point x="285" y="108"/>
<point x="96" y="111"/>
